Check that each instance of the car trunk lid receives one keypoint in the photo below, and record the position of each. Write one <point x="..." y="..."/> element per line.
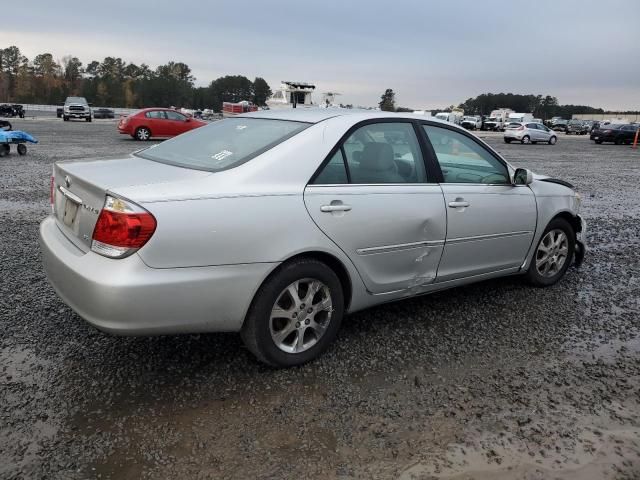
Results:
<point x="79" y="189"/>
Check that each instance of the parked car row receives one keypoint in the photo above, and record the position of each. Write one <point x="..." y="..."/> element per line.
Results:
<point x="78" y="107"/>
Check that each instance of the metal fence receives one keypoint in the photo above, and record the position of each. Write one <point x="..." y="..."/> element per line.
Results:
<point x="31" y="107"/>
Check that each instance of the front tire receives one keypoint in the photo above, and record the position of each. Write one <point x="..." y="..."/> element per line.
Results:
<point x="143" y="134"/>
<point x="22" y="149"/>
<point x="88" y="119"/>
<point x="525" y="140"/>
<point x="295" y="315"/>
<point x="553" y="140"/>
<point x="553" y="254"/>
<point x="65" y="118"/>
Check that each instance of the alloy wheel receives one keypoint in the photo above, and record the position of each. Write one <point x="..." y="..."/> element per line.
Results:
<point x="552" y="253"/>
<point x="143" y="134"/>
<point x="300" y="316"/>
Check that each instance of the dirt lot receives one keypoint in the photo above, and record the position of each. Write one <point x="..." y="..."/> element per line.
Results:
<point x="492" y="381"/>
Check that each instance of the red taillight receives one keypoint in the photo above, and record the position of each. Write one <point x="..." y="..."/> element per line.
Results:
<point x="122" y="228"/>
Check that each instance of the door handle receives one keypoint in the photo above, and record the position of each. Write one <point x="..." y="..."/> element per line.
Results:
<point x="335" y="208"/>
<point x="458" y="203"/>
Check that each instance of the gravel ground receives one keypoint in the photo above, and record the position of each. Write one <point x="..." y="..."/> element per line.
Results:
<point x="491" y="381"/>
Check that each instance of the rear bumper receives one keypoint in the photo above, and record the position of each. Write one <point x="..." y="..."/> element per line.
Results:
<point x="513" y="134"/>
<point x="127" y="297"/>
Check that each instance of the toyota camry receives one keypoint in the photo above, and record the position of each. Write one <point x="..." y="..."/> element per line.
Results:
<point x="277" y="224"/>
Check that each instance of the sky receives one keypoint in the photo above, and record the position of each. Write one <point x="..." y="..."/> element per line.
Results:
<point x="431" y="53"/>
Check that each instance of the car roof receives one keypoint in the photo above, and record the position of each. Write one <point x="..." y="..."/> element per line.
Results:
<point x="317" y="114"/>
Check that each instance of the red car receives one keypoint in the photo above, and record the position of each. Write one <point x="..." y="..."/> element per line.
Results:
<point x="157" y="122"/>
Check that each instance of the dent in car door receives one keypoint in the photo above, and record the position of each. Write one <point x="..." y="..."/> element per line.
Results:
<point x="394" y="234"/>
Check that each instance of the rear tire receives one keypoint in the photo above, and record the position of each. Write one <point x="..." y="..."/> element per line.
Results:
<point x="65" y="118"/>
<point x="525" y="140"/>
<point x="4" y="149"/>
<point x="507" y="140"/>
<point x="143" y="134"/>
<point x="553" y="254"/>
<point x="599" y="142"/>
<point x="261" y="328"/>
<point x="88" y="119"/>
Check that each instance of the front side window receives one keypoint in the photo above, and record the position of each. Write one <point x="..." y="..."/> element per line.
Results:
<point x="462" y="160"/>
<point x="171" y="115"/>
<point x="224" y="144"/>
<point x="532" y="125"/>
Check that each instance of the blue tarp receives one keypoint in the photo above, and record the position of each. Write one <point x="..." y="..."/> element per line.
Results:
<point x="16" y="136"/>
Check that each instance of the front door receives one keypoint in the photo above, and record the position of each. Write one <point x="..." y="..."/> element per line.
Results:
<point x="176" y="123"/>
<point x="490" y="222"/>
<point x="372" y="199"/>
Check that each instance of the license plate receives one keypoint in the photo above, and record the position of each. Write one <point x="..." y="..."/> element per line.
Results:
<point x="596" y="138"/>
<point x="70" y="211"/>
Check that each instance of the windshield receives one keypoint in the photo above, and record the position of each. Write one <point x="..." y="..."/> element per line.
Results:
<point x="224" y="144"/>
<point x="76" y="100"/>
<point x="493" y="119"/>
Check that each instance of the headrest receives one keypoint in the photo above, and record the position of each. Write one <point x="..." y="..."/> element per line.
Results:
<point x="377" y="156"/>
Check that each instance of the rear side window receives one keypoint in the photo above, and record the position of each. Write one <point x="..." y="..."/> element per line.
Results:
<point x="157" y="114"/>
<point x="376" y="153"/>
<point x="532" y="125"/>
<point x="334" y="172"/>
<point x="224" y="144"/>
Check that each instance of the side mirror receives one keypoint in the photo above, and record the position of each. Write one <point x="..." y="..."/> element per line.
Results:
<point x="188" y="119"/>
<point x="522" y="177"/>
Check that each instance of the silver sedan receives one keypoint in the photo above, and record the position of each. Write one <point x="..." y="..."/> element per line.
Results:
<point x="529" y="132"/>
<point x="277" y="224"/>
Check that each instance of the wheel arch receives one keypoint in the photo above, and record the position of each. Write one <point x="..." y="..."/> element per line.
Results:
<point x="571" y="218"/>
<point x="333" y="262"/>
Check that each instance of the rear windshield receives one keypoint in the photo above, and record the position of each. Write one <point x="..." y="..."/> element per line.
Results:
<point x="224" y="144"/>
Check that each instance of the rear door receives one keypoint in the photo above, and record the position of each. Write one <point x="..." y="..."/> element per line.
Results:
<point x="374" y="199"/>
<point x="157" y="122"/>
<point x="490" y="222"/>
<point x="536" y="135"/>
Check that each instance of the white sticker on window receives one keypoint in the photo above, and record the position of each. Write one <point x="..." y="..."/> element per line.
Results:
<point x="221" y="155"/>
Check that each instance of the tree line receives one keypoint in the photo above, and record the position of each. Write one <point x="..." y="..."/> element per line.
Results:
<point x="116" y="83"/>
<point x="542" y="106"/>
